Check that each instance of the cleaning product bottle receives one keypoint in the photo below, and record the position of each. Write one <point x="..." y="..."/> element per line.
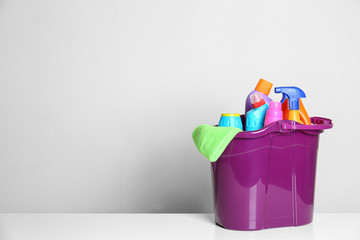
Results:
<point x="293" y="94"/>
<point x="304" y="116"/>
<point x="274" y="113"/>
<point x="230" y="120"/>
<point x="263" y="87"/>
<point x="255" y="117"/>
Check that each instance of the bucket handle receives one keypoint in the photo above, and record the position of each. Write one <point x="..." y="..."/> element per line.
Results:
<point x="318" y="123"/>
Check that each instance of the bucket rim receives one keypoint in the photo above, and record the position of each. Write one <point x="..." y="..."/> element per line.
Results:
<point x="319" y="124"/>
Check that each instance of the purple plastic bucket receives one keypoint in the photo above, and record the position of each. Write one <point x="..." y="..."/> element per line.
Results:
<point x="266" y="178"/>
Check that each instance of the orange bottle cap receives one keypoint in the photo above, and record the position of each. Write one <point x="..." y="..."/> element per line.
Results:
<point x="263" y="86"/>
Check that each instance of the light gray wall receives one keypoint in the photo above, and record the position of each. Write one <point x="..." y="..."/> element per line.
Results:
<point x="98" y="99"/>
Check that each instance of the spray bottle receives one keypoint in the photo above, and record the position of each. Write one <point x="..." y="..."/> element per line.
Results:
<point x="304" y="116"/>
<point x="293" y="94"/>
<point x="255" y="117"/>
<point x="263" y="88"/>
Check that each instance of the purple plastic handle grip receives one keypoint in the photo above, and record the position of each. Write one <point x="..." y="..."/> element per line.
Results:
<point x="318" y="123"/>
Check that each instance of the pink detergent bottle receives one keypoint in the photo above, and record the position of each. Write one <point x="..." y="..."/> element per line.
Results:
<point x="274" y="113"/>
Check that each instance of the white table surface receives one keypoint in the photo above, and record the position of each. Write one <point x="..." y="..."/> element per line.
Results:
<point x="164" y="226"/>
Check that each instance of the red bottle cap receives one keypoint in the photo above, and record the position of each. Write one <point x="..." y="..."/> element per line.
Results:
<point x="258" y="104"/>
<point x="256" y="100"/>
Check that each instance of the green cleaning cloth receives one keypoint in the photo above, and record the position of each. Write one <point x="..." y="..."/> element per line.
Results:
<point x="211" y="141"/>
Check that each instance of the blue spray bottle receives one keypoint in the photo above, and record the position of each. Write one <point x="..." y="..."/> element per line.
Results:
<point x="294" y="94"/>
<point x="255" y="117"/>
